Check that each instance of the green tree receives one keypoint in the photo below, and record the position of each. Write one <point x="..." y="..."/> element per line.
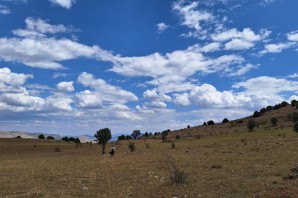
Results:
<point x="251" y="124"/>
<point x="164" y="135"/>
<point x="65" y="139"/>
<point x="136" y="134"/>
<point x="50" y="137"/>
<point x="41" y="136"/>
<point x="274" y="121"/>
<point x="225" y="120"/>
<point x="121" y="137"/>
<point x="103" y="136"/>
<point x="256" y="114"/>
<point x="77" y="140"/>
<point x="210" y="122"/>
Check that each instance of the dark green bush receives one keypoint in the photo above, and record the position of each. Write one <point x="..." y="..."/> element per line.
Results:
<point x="295" y="127"/>
<point x="274" y="121"/>
<point x="251" y="124"/>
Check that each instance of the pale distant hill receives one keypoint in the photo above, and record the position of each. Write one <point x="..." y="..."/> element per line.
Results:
<point x="13" y="134"/>
<point x="86" y="138"/>
<point x="26" y="135"/>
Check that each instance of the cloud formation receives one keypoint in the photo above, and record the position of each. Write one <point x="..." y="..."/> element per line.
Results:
<point x="63" y="3"/>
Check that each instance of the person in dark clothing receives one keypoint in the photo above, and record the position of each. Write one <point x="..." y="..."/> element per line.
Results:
<point x="112" y="152"/>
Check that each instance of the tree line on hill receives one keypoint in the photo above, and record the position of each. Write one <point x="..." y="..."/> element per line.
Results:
<point x="65" y="139"/>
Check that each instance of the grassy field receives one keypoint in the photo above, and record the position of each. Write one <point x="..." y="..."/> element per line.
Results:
<point x="255" y="164"/>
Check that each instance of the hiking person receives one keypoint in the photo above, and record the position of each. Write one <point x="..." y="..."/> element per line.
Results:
<point x="112" y="152"/>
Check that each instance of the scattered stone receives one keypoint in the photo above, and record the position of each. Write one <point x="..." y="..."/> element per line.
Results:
<point x="216" y="166"/>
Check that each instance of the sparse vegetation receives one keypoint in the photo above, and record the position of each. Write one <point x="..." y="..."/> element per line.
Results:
<point x="164" y="135"/>
<point x="210" y="122"/>
<point x="274" y="121"/>
<point x="225" y="120"/>
<point x="147" y="144"/>
<point x="251" y="124"/>
<point x="132" y="146"/>
<point x="177" y="175"/>
<point x="295" y="117"/>
<point x="295" y="127"/>
<point x="173" y="145"/>
<point x="50" y="137"/>
<point x="57" y="149"/>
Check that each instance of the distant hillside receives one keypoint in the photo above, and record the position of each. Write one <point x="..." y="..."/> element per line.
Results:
<point x="13" y="134"/>
<point x="282" y="113"/>
<point x="26" y="135"/>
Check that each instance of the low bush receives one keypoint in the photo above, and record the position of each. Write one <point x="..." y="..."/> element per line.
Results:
<point x="57" y="149"/>
<point x="132" y="146"/>
<point x="295" y="127"/>
<point x="177" y="175"/>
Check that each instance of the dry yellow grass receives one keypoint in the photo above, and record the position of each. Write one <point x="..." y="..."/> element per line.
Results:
<point x="229" y="165"/>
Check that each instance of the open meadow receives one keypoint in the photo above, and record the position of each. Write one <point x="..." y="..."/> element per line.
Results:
<point x="240" y="164"/>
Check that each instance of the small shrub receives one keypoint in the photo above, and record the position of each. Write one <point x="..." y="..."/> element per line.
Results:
<point x="239" y="121"/>
<point x="177" y="137"/>
<point x="57" y="149"/>
<point x="296" y="105"/>
<point x="177" y="175"/>
<point x="173" y="145"/>
<point x="274" y="121"/>
<point x="41" y="136"/>
<point x="295" y="117"/>
<point x="147" y="144"/>
<point x="295" y="127"/>
<point x="243" y="140"/>
<point x="289" y="117"/>
<point x="50" y="138"/>
<point x="251" y="125"/>
<point x="34" y="145"/>
<point x="132" y="146"/>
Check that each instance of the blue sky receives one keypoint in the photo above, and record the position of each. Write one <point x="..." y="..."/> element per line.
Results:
<point x="72" y="67"/>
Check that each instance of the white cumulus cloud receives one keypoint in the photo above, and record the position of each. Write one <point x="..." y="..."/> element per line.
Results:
<point x="63" y="3"/>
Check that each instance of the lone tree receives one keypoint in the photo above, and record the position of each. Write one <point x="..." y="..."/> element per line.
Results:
<point x="103" y="136"/>
<point x="251" y="125"/>
<point x="41" y="136"/>
<point x="164" y="135"/>
<point x="136" y="134"/>
<point x="225" y="120"/>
